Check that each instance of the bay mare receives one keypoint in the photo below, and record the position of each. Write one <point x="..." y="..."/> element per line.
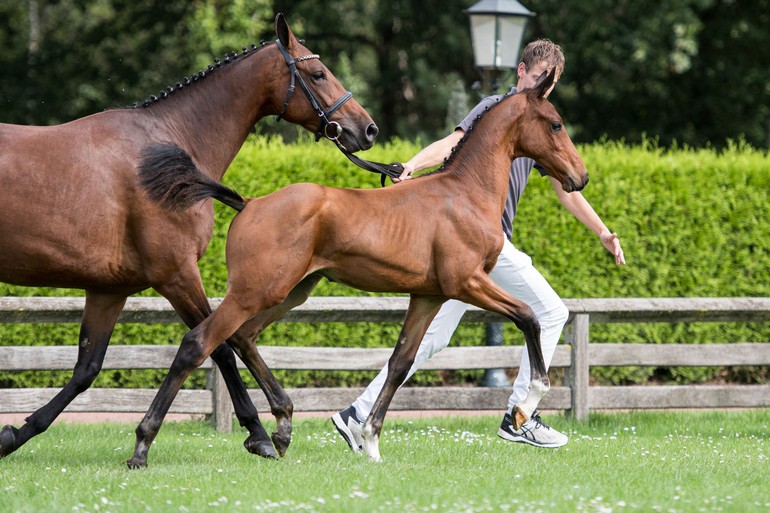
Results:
<point x="435" y="237"/>
<point x="74" y="214"/>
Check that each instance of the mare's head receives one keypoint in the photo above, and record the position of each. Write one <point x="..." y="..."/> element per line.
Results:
<point x="542" y="137"/>
<point x="318" y="102"/>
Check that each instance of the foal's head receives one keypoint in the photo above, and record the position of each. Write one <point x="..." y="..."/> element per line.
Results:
<point x="349" y="122"/>
<point x="541" y="136"/>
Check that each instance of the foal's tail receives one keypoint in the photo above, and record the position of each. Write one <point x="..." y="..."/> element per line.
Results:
<point x="170" y="177"/>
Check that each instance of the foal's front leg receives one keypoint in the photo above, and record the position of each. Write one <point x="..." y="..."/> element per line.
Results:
<point x="481" y="291"/>
<point x="422" y="310"/>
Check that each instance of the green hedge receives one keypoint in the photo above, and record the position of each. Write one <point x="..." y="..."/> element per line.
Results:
<point x="692" y="223"/>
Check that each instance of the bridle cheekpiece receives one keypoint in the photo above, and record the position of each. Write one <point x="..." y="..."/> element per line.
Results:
<point x="329" y="129"/>
<point x="392" y="170"/>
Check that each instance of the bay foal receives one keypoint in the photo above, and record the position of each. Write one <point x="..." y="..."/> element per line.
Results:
<point x="435" y="237"/>
<point x="74" y="215"/>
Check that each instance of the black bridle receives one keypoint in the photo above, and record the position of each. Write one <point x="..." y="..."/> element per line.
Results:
<point x="325" y="126"/>
<point x="323" y="115"/>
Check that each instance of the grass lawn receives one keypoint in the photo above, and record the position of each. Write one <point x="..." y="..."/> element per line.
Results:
<point x="643" y="461"/>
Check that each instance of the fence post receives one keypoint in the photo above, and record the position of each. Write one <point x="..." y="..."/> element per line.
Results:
<point x="576" y="334"/>
<point x="221" y="407"/>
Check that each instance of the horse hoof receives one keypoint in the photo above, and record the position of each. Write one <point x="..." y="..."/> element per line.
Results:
<point x="8" y="440"/>
<point x="519" y="417"/>
<point x="281" y="442"/>
<point x="260" y="448"/>
<point x="135" y="463"/>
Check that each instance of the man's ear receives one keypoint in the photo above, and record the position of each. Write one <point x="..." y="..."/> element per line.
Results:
<point x="521" y="70"/>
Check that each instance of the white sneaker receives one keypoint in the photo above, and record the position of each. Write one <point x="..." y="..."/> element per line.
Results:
<point x="349" y="427"/>
<point x="533" y="432"/>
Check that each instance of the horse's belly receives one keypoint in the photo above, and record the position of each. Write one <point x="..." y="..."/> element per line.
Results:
<point x="370" y="275"/>
<point x="44" y="259"/>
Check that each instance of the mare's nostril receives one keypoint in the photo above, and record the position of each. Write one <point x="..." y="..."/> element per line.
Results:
<point x="372" y="132"/>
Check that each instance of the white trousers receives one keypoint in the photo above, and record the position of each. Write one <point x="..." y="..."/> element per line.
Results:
<point x="514" y="273"/>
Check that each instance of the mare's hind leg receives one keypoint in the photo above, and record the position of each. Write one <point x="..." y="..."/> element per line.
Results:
<point x="99" y="317"/>
<point x="481" y="291"/>
<point x="422" y="310"/>
<point x="188" y="298"/>
<point x="196" y="346"/>
<point x="280" y="404"/>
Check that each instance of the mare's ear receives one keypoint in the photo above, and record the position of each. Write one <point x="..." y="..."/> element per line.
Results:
<point x="544" y="82"/>
<point x="285" y="34"/>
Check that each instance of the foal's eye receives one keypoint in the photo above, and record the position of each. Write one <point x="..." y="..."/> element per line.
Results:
<point x="555" y="126"/>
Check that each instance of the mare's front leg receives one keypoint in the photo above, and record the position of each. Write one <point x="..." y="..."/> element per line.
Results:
<point x="481" y="291"/>
<point x="196" y="346"/>
<point x="422" y="310"/>
<point x="99" y="317"/>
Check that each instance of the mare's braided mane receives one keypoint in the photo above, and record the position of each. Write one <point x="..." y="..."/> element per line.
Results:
<point x="197" y="77"/>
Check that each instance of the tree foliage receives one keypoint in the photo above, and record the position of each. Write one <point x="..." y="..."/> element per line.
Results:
<point x="66" y="59"/>
<point x="693" y="72"/>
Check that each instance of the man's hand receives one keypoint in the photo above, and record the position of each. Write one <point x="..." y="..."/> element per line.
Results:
<point x="612" y="243"/>
<point x="406" y="174"/>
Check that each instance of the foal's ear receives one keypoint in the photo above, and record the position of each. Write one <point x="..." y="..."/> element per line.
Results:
<point x="285" y="34"/>
<point x="544" y="82"/>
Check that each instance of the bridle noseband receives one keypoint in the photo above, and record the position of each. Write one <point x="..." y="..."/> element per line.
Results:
<point x="325" y="126"/>
<point x="392" y="170"/>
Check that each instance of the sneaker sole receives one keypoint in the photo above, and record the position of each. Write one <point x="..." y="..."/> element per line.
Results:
<point x="345" y="432"/>
<point x="521" y="440"/>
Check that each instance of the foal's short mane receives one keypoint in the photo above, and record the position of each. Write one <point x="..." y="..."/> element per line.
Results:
<point x="457" y="148"/>
<point x="197" y="77"/>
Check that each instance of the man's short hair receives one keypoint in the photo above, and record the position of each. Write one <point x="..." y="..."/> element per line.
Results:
<point x="543" y="50"/>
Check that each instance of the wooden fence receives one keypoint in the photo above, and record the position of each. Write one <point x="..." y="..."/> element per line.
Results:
<point x="576" y="397"/>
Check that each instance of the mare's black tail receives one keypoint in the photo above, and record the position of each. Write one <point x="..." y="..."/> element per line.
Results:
<point x="170" y="177"/>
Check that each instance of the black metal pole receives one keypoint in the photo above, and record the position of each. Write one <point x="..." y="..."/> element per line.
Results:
<point x="495" y="377"/>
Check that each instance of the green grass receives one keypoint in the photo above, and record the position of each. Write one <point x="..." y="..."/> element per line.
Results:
<point x="669" y="462"/>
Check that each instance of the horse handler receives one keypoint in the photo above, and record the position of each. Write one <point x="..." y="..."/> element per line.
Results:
<point x="513" y="271"/>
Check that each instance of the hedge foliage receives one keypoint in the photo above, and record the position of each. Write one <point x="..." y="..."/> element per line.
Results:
<point x="693" y="222"/>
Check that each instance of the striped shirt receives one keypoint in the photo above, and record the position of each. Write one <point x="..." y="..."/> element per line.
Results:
<point x="520" y="167"/>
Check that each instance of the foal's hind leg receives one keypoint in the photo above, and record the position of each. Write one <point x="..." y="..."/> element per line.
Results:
<point x="422" y="310"/>
<point x="196" y="346"/>
<point x="99" y="317"/>
<point x="188" y="298"/>
<point x="280" y="404"/>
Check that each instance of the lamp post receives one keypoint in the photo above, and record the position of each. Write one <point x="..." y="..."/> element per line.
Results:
<point x="497" y="28"/>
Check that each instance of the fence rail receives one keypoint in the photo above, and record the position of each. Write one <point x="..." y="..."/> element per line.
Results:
<point x="577" y="355"/>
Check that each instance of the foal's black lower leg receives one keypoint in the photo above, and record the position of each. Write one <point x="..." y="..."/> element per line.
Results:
<point x="190" y="355"/>
<point x="99" y="317"/>
<point x="258" y="441"/>
<point x="280" y="404"/>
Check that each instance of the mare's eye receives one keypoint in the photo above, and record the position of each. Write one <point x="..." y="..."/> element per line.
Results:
<point x="555" y="126"/>
<point x="319" y="75"/>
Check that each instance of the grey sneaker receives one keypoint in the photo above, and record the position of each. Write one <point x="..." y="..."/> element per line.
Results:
<point x="533" y="432"/>
<point x="349" y="427"/>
